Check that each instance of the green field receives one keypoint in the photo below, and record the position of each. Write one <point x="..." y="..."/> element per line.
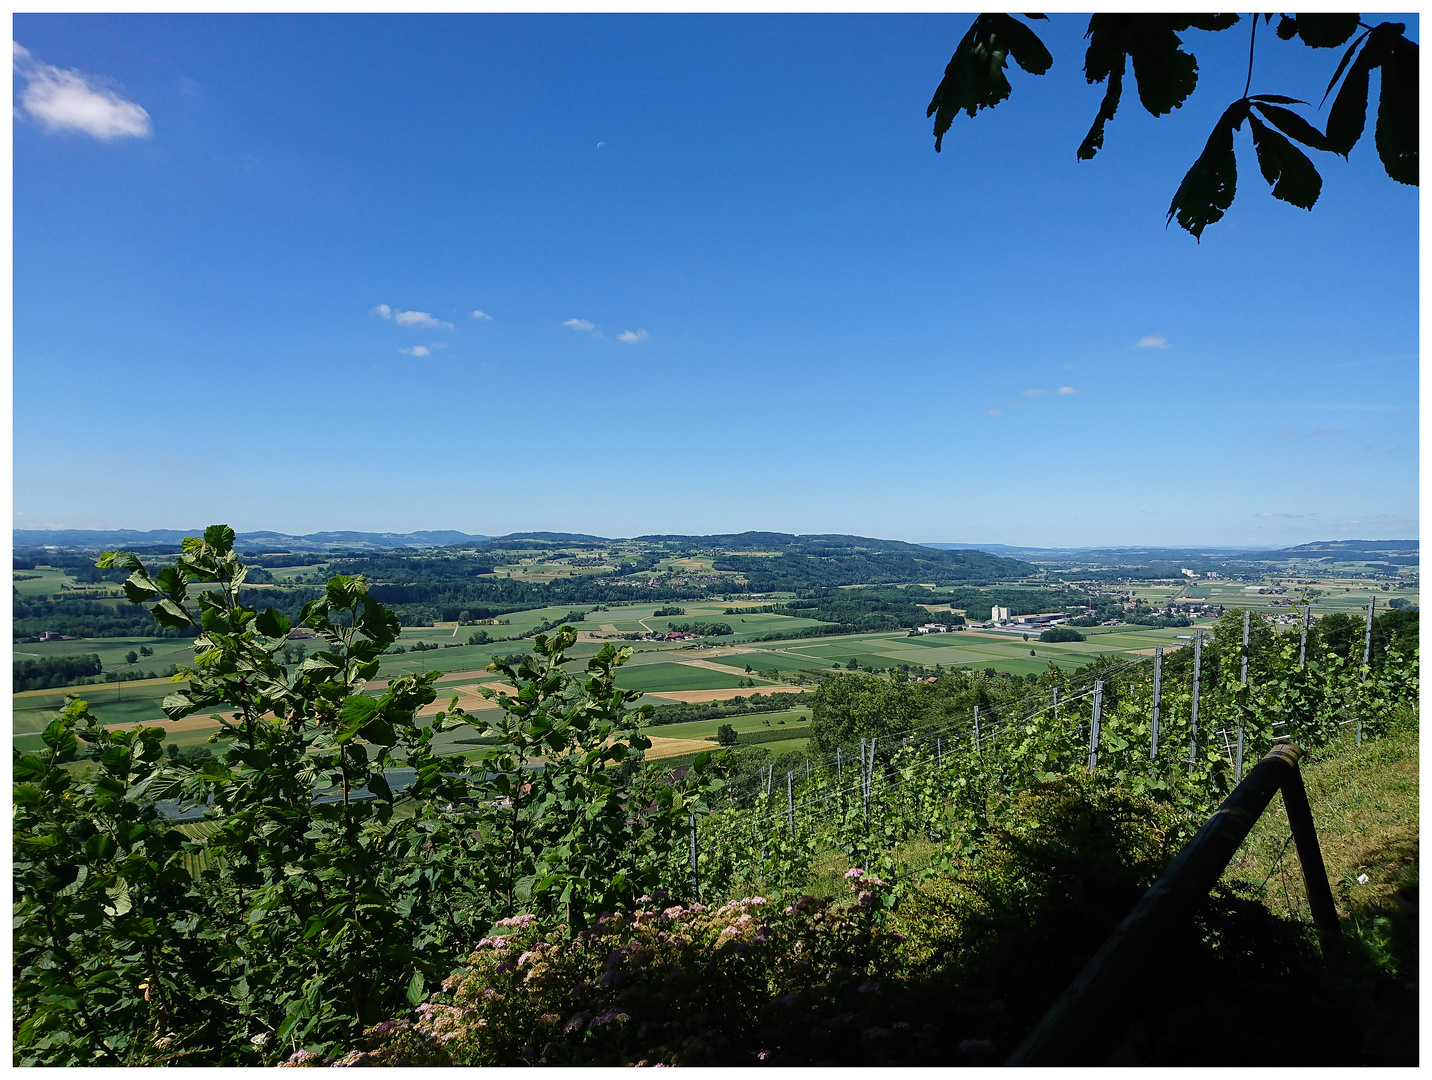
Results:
<point x="706" y="729"/>
<point x="656" y="677"/>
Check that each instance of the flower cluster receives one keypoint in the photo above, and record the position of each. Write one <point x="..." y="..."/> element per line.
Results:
<point x="664" y="984"/>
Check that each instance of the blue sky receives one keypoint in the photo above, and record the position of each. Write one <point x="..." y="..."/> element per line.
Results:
<point x="729" y="285"/>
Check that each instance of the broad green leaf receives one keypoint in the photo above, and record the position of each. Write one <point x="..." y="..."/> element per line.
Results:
<point x="272" y="624"/>
<point x="220" y="538"/>
<point x="60" y="738"/>
<point x="169" y="614"/>
<point x="357" y="710"/>
<point x="416" y="986"/>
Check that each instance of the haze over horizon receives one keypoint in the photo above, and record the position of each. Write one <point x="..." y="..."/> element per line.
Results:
<point x="627" y="275"/>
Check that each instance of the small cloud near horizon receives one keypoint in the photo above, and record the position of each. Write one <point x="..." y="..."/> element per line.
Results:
<point x="1152" y="341"/>
<point x="417" y="350"/>
<point x="63" y="100"/>
<point x="1065" y="390"/>
<point x="630" y="337"/>
<point x="481" y="316"/>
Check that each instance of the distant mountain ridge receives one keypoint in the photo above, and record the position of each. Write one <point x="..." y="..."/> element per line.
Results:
<point x="1318" y="549"/>
<point x="263" y="539"/>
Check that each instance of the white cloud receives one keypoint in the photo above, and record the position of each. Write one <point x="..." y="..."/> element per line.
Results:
<point x="581" y="324"/>
<point x="629" y="337"/>
<point x="411" y="318"/>
<point x="1035" y="393"/>
<point x="994" y="412"/>
<point x="1152" y="341"/>
<point x="68" y="100"/>
<point x="484" y="316"/>
<point x="419" y="318"/>
<point x="1066" y="390"/>
<point x="417" y="350"/>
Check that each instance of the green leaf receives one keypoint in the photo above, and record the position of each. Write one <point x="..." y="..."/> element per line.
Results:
<point x="1208" y="187"/>
<point x="30" y="767"/>
<point x="272" y="624"/>
<point x="138" y="587"/>
<point x="169" y="614"/>
<point x="416" y="986"/>
<point x="60" y="738"/>
<point x="220" y="538"/>
<point x="378" y="785"/>
<point x="1286" y="167"/>
<point x="100" y="846"/>
<point x="357" y="710"/>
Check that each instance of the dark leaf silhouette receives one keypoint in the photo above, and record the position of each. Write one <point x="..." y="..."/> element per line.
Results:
<point x="1397" y="111"/>
<point x="974" y="78"/>
<point x="1164" y="73"/>
<point x="1385" y="46"/>
<point x="1208" y="187"/>
<point x="1286" y="167"/>
<point x="1289" y="122"/>
<point x="1321" y="31"/>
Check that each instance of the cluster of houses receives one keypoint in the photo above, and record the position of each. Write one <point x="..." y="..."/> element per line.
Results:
<point x="933" y="628"/>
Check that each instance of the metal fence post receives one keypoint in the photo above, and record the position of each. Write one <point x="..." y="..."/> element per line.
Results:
<point x="977" y="729"/>
<point x="1193" y="712"/>
<point x="695" y="881"/>
<point x="1158" y="687"/>
<point x="791" y="801"/>
<point x="1303" y="641"/>
<point x="1094" y="727"/>
<point x="1242" y="699"/>
<point x="1366" y="658"/>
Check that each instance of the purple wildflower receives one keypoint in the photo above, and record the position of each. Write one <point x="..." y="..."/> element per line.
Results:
<point x="854" y="872"/>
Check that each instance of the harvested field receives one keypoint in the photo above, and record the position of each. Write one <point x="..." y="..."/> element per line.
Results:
<point x="667" y="748"/>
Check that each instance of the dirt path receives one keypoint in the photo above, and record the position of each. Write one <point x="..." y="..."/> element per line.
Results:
<point x="725" y="669"/>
